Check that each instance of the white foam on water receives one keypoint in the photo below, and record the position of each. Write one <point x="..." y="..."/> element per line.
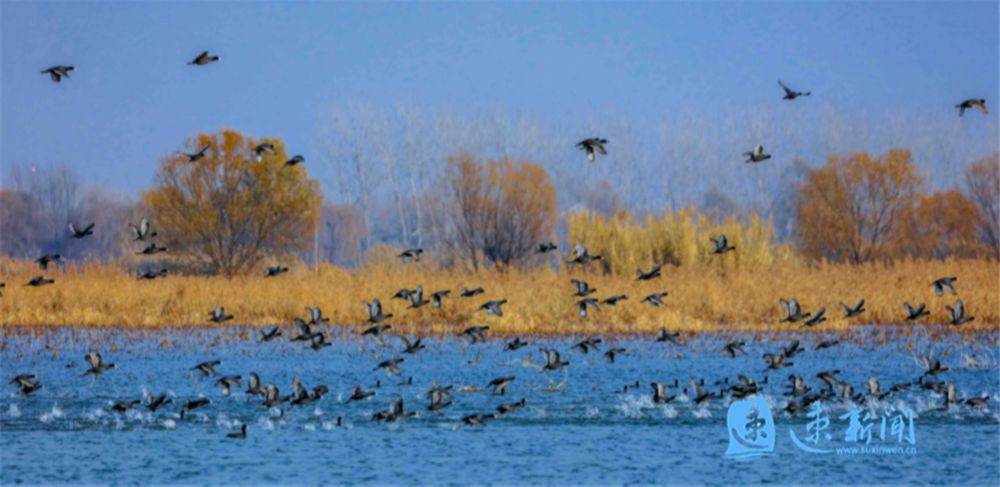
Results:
<point x="13" y="411"/>
<point x="169" y="424"/>
<point x="701" y="412"/>
<point x="592" y="412"/>
<point x="668" y="411"/>
<point x="265" y="424"/>
<point x="317" y="411"/>
<point x="329" y="425"/>
<point x="309" y="427"/>
<point x="53" y="414"/>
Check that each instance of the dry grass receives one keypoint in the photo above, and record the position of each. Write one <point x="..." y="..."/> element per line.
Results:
<point x="703" y="298"/>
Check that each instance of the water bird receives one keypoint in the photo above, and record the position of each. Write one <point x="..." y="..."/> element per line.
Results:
<point x="645" y="276"/>
<point x="798" y="386"/>
<point x="552" y="360"/>
<point x="593" y="146"/>
<point x="792" y="349"/>
<point x="359" y="394"/>
<point x="582" y="256"/>
<point x="79" y="233"/>
<point x="316" y="316"/>
<point x="395" y="412"/>
<point x="412" y="347"/>
<point x="721" y="244"/>
<point x="97" y="365"/>
<point x="254" y="387"/>
<point x="776" y="361"/>
<point x="417" y="298"/>
<point x="375" y="314"/>
<point x="438" y="296"/>
<point x="440" y="397"/>
<point x="514" y="344"/>
<point x="227" y="382"/>
<point x="793" y="312"/>
<point x="195" y="157"/>
<point x="732" y="347"/>
<point x="958" y="316"/>
<point x="306" y="332"/>
<point x="493" y="307"/>
<point x="142" y="231"/>
<point x="468" y="293"/>
<point x="150" y="274"/>
<point x="665" y="336"/>
<point x="545" y="247"/>
<point x="829" y="377"/>
<point x="613" y="300"/>
<point x="756" y="155"/>
<point x="57" y="73"/>
<point x="500" y="384"/>
<point x="978" y="104"/>
<point x="376" y="332"/>
<point x="850" y="312"/>
<point x="319" y="342"/>
<point x="700" y="394"/>
<point x="817" y="318"/>
<point x="827" y="344"/>
<point x="874" y="388"/>
<point x="411" y="255"/>
<point x="295" y="160"/>
<point x="943" y="284"/>
<point x="28" y="383"/>
<point x="260" y="149"/>
<point x="391" y="366"/>
<point x="193" y="404"/>
<point x="660" y="393"/>
<point x="744" y="386"/>
<point x="156" y="402"/>
<point x="655" y="299"/>
<point x="38" y="281"/>
<point x="268" y="335"/>
<point x="913" y="314"/>
<point x="478" y="419"/>
<point x="614" y="352"/>
<point x="588" y="344"/>
<point x="272" y="396"/>
<point x="218" y="315"/>
<point x="151" y="249"/>
<point x="239" y="435"/>
<point x="932" y="367"/>
<point x="511" y="407"/>
<point x="275" y="271"/>
<point x="582" y="305"/>
<point x="978" y="402"/>
<point x="204" y="58"/>
<point x="207" y="369"/>
<point x="475" y="333"/>
<point x="582" y="288"/>
<point x="124" y="406"/>
<point x="791" y="94"/>
<point x="46" y="259"/>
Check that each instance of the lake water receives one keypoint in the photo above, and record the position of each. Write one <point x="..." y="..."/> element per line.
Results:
<point x="578" y="427"/>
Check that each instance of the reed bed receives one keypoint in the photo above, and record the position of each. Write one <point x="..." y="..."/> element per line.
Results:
<point x="702" y="298"/>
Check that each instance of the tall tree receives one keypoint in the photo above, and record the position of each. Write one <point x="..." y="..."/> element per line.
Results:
<point x="982" y="181"/>
<point x="228" y="210"/>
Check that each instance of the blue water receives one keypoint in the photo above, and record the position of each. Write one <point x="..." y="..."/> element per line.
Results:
<point x="586" y="431"/>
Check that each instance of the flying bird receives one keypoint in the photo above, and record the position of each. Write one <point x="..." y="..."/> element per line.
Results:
<point x="592" y="147"/>
<point x="978" y="104"/>
<point x="721" y="245"/>
<point x="81" y="232"/>
<point x="756" y="155"/>
<point x="204" y="58"/>
<point x="297" y="159"/>
<point x="944" y="284"/>
<point x="791" y="94"/>
<point x="57" y="73"/>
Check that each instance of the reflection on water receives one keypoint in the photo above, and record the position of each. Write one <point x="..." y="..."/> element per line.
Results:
<point x="586" y="423"/>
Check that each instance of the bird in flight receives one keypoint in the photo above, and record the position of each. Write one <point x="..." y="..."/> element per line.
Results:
<point x="57" y="73"/>
<point x="791" y="94"/>
<point x="203" y="59"/>
<point x="978" y="104"/>
<point x="592" y="147"/>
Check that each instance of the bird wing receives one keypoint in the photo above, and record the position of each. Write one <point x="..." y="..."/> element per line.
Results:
<point x="788" y="91"/>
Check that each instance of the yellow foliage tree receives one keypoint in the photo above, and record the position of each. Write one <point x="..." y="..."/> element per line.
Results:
<point x="849" y="209"/>
<point x="939" y="225"/>
<point x="498" y="211"/>
<point x="229" y="209"/>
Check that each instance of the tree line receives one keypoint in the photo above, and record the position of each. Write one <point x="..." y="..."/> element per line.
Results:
<point x="236" y="210"/>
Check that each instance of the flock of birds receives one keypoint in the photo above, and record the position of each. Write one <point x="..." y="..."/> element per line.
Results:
<point x="440" y="397"/>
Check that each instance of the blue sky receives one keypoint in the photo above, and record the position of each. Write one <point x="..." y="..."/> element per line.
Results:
<point x="134" y="99"/>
